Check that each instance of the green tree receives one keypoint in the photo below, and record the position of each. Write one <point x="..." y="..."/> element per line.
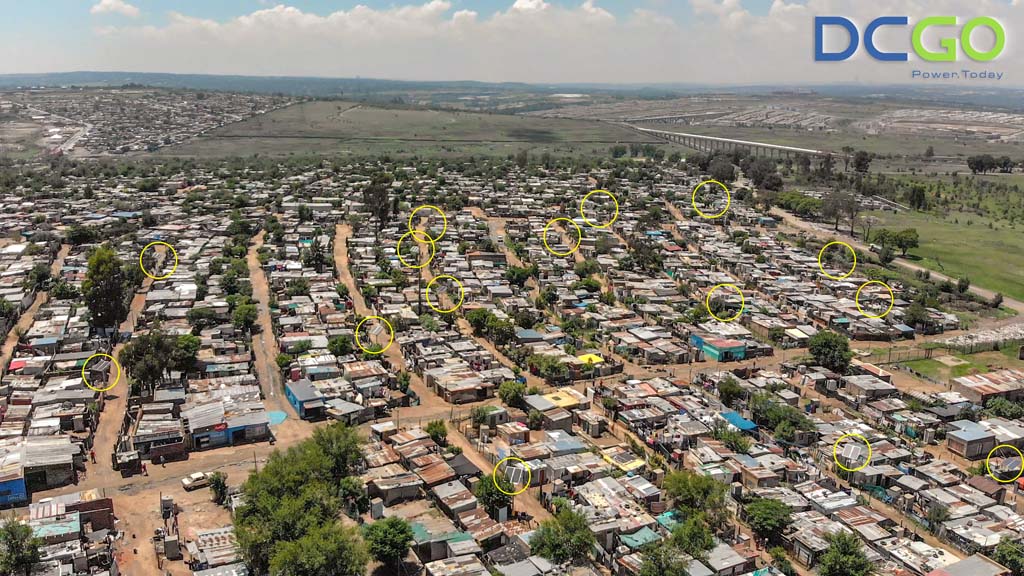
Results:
<point x="907" y="239"/>
<point x="244" y="317"/>
<point x="844" y="557"/>
<point x="831" y="350"/>
<point x="343" y="447"/>
<point x="438" y="431"/>
<point x="512" y="393"/>
<point x="694" y="536"/>
<point x="733" y="439"/>
<point x="38" y="276"/>
<point x="490" y="497"/>
<point x="564" y="538"/>
<point x="478" y="319"/>
<point x="339" y="345"/>
<point x="219" y="487"/>
<point x="63" y="290"/>
<point x="781" y="562"/>
<point x="721" y="169"/>
<point x="768" y="518"/>
<point x="283" y="360"/>
<point x="325" y="550"/>
<point x="535" y="419"/>
<point x="106" y="288"/>
<point x="388" y="540"/>
<point x="202" y="318"/>
<point x="729" y="391"/>
<point x="147" y="359"/>
<point x="664" y="559"/>
<point x="695" y="492"/>
<point x="352" y="493"/>
<point x="479" y="414"/>
<point x="917" y="315"/>
<point x="315" y="257"/>
<point x="936" y="516"/>
<point x="7" y="309"/>
<point x="1010" y="554"/>
<point x="19" y="548"/>
<point x="183" y="354"/>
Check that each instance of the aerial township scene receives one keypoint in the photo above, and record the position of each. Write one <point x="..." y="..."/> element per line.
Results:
<point x="315" y="324"/>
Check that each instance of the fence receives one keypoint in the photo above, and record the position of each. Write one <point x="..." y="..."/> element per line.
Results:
<point x="893" y="356"/>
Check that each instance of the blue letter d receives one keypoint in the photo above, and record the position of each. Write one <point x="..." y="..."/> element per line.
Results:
<point x="819" y="43"/>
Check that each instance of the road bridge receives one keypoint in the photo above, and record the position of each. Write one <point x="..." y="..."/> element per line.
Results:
<point x="706" y="143"/>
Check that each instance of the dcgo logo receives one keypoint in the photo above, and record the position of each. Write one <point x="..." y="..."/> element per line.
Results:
<point x="947" y="43"/>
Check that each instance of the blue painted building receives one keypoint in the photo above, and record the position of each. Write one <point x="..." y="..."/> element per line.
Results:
<point x="719" y="349"/>
<point x="13" y="491"/>
<point x="305" y="399"/>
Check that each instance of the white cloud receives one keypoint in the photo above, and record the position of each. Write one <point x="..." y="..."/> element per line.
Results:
<point x="116" y="7"/>
<point x="532" y="41"/>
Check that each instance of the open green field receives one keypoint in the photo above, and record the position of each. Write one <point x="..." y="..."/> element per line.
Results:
<point x="344" y="128"/>
<point x="897" y="144"/>
<point x="992" y="258"/>
<point x="971" y="364"/>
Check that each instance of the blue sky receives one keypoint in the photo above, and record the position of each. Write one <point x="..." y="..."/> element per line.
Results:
<point x="643" y="41"/>
<point x="68" y="15"/>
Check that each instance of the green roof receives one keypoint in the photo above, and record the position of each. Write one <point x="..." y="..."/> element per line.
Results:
<point x="640" y="538"/>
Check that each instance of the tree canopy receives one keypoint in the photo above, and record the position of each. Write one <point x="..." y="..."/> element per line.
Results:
<point x="844" y="557"/>
<point x="106" y="288"/>
<point x="490" y="497"/>
<point x="694" y="493"/>
<point x="388" y="540"/>
<point x="1010" y="554"/>
<point x="564" y="538"/>
<point x="19" y="548"/>
<point x="288" y="523"/>
<point x="768" y="518"/>
<point x="831" y="350"/>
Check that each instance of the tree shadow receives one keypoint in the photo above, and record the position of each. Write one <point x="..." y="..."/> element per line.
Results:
<point x="406" y="569"/>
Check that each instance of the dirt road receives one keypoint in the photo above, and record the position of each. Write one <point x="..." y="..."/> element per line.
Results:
<point x="28" y="316"/>
<point x="393" y="354"/>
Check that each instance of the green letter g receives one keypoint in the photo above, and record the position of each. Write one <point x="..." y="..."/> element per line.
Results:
<point x="948" y="43"/>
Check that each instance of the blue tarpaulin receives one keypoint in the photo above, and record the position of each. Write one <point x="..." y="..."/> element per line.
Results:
<point x="739" y="421"/>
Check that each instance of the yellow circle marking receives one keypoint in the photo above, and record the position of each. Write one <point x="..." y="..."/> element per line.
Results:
<point x="529" y="476"/>
<point x="436" y="209"/>
<point x="391" y="340"/>
<point x="892" y="297"/>
<point x="462" y="294"/>
<point x="989" y="468"/>
<point x="165" y="276"/>
<point x="836" y="446"/>
<point x="707" y="302"/>
<point x="728" y="199"/>
<point x="610" y="195"/>
<point x="579" y="237"/>
<point x="822" y="253"/>
<point x="86" y="380"/>
<point x="413" y="233"/>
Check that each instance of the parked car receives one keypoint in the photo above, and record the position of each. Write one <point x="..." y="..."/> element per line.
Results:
<point x="195" y="481"/>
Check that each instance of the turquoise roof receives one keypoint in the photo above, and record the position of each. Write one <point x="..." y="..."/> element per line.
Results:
<point x="640" y="538"/>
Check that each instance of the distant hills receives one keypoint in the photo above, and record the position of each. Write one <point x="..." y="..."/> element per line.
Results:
<point x="317" y="87"/>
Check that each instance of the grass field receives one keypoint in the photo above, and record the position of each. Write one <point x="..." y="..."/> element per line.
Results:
<point x="973" y="364"/>
<point x="353" y="129"/>
<point x="992" y="258"/>
<point x="897" y="144"/>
